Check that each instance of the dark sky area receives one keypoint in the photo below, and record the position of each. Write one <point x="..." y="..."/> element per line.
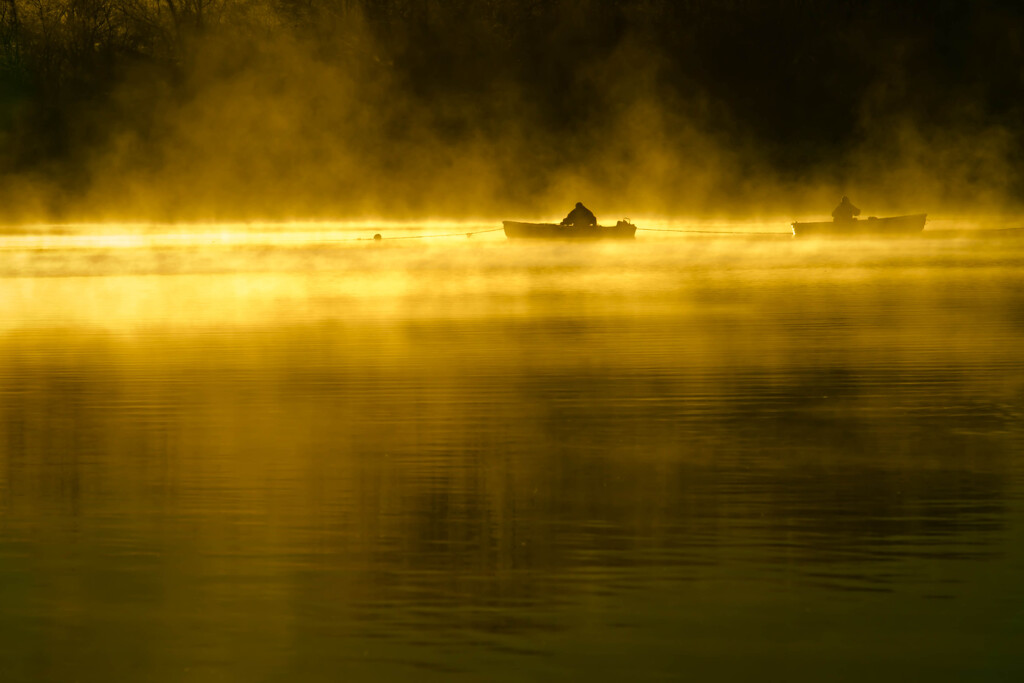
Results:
<point x="191" y="109"/>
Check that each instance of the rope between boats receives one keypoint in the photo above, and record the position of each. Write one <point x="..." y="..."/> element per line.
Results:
<point x="717" y="232"/>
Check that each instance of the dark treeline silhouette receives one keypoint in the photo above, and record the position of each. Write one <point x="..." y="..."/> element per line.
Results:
<point x="803" y="82"/>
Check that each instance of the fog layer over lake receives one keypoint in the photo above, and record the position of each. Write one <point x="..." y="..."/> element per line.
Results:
<point x="295" y="453"/>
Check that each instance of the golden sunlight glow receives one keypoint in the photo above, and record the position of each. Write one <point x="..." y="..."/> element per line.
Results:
<point x="511" y="340"/>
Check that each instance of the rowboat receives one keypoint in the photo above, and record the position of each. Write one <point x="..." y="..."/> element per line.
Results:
<point x="892" y="226"/>
<point x="517" y="230"/>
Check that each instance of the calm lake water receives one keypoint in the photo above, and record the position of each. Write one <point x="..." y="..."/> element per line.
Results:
<point x="259" y="455"/>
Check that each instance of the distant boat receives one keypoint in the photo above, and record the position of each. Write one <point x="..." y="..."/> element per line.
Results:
<point x="517" y="230"/>
<point x="894" y="226"/>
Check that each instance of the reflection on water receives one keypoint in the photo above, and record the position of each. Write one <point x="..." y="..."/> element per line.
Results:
<point x="687" y="457"/>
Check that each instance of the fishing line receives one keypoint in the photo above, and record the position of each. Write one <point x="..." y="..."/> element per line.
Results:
<point x="715" y="232"/>
<point x="378" y="237"/>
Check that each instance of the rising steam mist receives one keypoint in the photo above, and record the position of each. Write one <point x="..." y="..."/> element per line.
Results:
<point x="414" y="110"/>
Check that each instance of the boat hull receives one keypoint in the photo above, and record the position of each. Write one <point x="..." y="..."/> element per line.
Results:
<point x="894" y="226"/>
<point x="518" y="230"/>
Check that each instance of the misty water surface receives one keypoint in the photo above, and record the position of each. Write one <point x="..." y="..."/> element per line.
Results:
<point x="291" y="455"/>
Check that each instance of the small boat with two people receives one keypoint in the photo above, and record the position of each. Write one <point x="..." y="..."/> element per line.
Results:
<point x="579" y="224"/>
<point x="845" y="223"/>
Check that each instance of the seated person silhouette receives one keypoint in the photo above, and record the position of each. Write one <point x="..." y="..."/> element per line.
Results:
<point x="580" y="217"/>
<point x="846" y="211"/>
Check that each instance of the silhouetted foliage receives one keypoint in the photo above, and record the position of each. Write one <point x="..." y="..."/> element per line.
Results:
<point x="804" y="80"/>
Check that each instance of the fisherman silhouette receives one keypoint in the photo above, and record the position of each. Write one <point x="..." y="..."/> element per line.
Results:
<point x="580" y="217"/>
<point x="845" y="211"/>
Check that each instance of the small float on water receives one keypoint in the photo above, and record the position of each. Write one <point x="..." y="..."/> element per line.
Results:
<point x="517" y="230"/>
